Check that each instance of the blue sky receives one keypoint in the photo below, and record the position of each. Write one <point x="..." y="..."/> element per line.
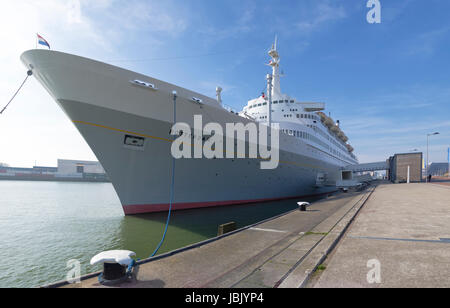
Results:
<point x="388" y="83"/>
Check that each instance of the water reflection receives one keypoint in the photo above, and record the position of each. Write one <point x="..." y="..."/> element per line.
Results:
<point x="142" y="233"/>
<point x="45" y="224"/>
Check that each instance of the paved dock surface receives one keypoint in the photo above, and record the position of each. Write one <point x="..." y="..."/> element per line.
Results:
<point x="389" y="235"/>
<point x="266" y="255"/>
<point x="405" y="231"/>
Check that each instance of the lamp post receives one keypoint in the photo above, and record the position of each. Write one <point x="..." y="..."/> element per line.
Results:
<point x="448" y="160"/>
<point x="428" y="137"/>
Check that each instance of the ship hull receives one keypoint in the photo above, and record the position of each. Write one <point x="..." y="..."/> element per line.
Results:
<point x="106" y="108"/>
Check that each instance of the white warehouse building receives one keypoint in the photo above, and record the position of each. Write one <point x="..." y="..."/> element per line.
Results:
<point x="78" y="167"/>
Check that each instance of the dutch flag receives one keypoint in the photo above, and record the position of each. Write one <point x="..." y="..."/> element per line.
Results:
<point x="42" y="41"/>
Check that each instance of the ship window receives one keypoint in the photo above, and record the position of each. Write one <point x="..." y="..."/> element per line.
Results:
<point x="264" y="104"/>
<point x="286" y="101"/>
<point x="259" y="105"/>
<point x="275" y="102"/>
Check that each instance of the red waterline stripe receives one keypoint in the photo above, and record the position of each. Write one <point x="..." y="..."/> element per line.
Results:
<point x="154" y="208"/>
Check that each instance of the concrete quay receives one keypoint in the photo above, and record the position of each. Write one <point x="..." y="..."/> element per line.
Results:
<point x="265" y="255"/>
<point x="389" y="235"/>
<point x="401" y="238"/>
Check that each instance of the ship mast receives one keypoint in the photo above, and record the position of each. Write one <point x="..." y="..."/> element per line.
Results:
<point x="275" y="64"/>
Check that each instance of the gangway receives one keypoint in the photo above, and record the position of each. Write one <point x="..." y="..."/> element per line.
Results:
<point x="349" y="177"/>
<point x="378" y="166"/>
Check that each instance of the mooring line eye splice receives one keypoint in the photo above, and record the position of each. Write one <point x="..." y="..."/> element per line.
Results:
<point x="29" y="73"/>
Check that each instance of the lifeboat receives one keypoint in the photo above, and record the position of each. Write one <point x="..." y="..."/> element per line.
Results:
<point x="329" y="122"/>
<point x="322" y="115"/>
<point x="350" y="148"/>
<point x="342" y="136"/>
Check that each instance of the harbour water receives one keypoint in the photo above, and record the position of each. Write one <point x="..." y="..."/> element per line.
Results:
<point x="43" y="225"/>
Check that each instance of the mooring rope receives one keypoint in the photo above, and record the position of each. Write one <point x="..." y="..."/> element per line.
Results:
<point x="29" y="73"/>
<point x="172" y="183"/>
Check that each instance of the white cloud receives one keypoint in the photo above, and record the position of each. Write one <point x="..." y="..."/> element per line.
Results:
<point x="322" y="13"/>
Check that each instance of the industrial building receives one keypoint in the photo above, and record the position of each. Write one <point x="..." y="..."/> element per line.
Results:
<point x="438" y="169"/>
<point x="79" y="169"/>
<point x="405" y="168"/>
<point x="67" y="170"/>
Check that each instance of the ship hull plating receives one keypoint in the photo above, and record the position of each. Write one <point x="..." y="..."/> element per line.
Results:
<point x="106" y="108"/>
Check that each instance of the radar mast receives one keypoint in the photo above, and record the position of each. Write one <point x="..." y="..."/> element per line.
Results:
<point x="275" y="64"/>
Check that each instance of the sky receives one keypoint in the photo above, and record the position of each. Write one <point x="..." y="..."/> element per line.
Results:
<point x="387" y="83"/>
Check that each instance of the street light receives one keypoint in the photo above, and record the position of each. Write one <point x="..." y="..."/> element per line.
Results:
<point x="428" y="136"/>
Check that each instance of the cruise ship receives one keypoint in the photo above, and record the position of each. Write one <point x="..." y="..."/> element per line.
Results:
<point x="126" y="118"/>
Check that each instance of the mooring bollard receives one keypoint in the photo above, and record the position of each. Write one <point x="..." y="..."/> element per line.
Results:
<point x="226" y="228"/>
<point x="115" y="264"/>
<point x="303" y="205"/>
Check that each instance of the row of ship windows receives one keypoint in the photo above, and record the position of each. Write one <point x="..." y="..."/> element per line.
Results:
<point x="258" y="105"/>
<point x="274" y="102"/>
<point x="315" y="128"/>
<point x="325" y="135"/>
<point x="316" y="140"/>
<point x="283" y="101"/>
<point x="308" y="116"/>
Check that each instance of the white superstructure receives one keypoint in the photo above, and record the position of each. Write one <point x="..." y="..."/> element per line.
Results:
<point x="126" y="118"/>
<point x="304" y="120"/>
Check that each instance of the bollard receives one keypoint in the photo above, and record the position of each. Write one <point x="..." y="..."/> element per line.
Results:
<point x="115" y="264"/>
<point x="226" y="228"/>
<point x="114" y="271"/>
<point x="302" y="206"/>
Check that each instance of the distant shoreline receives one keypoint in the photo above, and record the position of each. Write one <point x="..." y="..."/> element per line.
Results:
<point x="43" y="179"/>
